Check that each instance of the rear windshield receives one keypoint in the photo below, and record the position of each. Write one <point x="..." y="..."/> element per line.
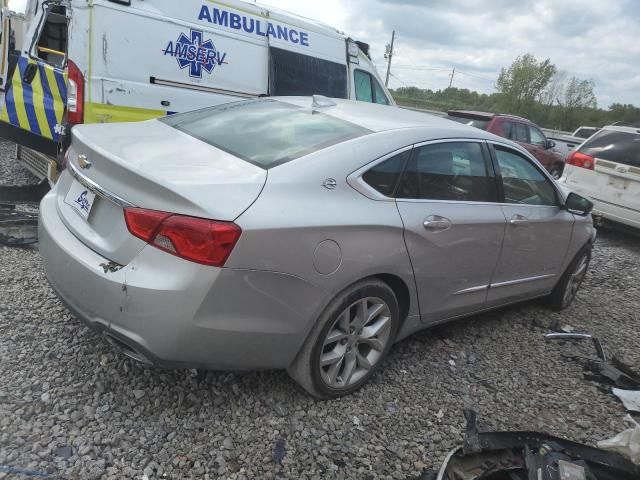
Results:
<point x="472" y="122"/>
<point x="266" y="133"/>
<point x="620" y="147"/>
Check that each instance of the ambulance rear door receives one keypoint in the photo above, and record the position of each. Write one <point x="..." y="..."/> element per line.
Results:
<point x="5" y="40"/>
<point x="36" y="94"/>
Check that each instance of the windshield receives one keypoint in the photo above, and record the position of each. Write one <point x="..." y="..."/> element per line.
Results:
<point x="279" y="132"/>
<point x="472" y="122"/>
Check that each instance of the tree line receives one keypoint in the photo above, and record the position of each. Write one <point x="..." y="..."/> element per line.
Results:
<point x="531" y="88"/>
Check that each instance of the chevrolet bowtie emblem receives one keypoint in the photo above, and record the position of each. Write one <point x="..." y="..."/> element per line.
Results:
<point x="83" y="162"/>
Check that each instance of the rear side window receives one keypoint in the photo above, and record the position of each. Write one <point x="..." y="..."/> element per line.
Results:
<point x="384" y="176"/>
<point x="453" y="171"/>
<point x="368" y="89"/>
<point x="266" y="133"/>
<point x="619" y="147"/>
<point x="519" y="132"/>
<point x="472" y="122"/>
<point x="295" y="74"/>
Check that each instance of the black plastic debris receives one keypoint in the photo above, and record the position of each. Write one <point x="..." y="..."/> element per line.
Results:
<point x="278" y="451"/>
<point x="529" y="456"/>
<point x="17" y="228"/>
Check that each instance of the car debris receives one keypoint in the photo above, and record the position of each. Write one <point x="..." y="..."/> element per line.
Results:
<point x="578" y="336"/>
<point x="527" y="456"/>
<point x="604" y="370"/>
<point x="629" y="398"/>
<point x="17" y="228"/>
<point x="626" y="443"/>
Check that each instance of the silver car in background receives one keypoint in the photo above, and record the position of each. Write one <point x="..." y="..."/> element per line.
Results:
<point x="301" y="233"/>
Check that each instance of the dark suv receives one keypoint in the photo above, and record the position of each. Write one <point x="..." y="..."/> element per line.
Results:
<point x="518" y="129"/>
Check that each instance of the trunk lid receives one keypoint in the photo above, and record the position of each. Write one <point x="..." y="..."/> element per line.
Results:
<point x="148" y="165"/>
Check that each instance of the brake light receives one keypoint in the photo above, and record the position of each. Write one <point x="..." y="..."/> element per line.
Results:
<point x="199" y="240"/>
<point x="75" y="95"/>
<point x="581" y="160"/>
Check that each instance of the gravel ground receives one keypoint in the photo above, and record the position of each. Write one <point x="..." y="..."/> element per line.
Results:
<point x="71" y="407"/>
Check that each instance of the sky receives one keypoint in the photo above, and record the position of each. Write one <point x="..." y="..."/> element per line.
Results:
<point x="595" y="40"/>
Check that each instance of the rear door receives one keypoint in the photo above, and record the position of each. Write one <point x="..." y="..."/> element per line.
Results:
<point x="36" y="98"/>
<point x="538" y="230"/>
<point x="453" y="226"/>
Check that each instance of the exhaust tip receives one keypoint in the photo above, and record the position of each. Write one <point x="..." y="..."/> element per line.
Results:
<point x="127" y="350"/>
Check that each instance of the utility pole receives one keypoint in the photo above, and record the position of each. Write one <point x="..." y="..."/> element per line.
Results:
<point x="389" y="55"/>
<point x="452" y="75"/>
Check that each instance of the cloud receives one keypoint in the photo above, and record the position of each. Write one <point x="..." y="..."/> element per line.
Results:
<point x="590" y="39"/>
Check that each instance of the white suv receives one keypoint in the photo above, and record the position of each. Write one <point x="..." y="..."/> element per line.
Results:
<point x="606" y="168"/>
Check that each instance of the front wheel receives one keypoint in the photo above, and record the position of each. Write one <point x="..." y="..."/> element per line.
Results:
<point x="349" y="341"/>
<point x="565" y="291"/>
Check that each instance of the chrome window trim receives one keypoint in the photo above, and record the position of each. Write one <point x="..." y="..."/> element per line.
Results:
<point x="356" y="181"/>
<point x="97" y="189"/>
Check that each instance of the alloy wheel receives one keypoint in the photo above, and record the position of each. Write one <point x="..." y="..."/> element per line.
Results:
<point x="355" y="342"/>
<point x="575" y="280"/>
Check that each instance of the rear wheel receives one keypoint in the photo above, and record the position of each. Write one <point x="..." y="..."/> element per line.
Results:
<point x="565" y="291"/>
<point x="349" y="341"/>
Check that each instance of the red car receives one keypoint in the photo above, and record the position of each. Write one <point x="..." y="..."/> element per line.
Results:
<point x="518" y="129"/>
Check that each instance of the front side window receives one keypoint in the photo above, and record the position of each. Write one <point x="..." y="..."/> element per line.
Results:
<point x="384" y="176"/>
<point x="537" y="138"/>
<point x="266" y="133"/>
<point x="447" y="171"/>
<point x="52" y="43"/>
<point x="368" y="89"/>
<point x="522" y="182"/>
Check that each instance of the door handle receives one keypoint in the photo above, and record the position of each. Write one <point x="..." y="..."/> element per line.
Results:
<point x="30" y="73"/>
<point x="436" y="223"/>
<point x="518" y="221"/>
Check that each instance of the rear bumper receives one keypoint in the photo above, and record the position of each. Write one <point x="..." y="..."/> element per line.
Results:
<point x="616" y="213"/>
<point x="176" y="313"/>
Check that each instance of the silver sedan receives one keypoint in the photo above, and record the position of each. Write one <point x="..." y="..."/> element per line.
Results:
<point x="301" y="233"/>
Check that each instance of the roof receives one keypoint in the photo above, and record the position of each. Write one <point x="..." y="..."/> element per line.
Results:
<point x="484" y="115"/>
<point x="380" y="118"/>
<point x="621" y="128"/>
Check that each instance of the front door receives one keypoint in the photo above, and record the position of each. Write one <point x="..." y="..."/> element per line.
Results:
<point x="453" y="226"/>
<point x="538" y="231"/>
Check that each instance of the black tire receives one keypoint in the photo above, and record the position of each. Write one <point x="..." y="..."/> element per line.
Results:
<point x="556" y="171"/>
<point x="561" y="298"/>
<point x="306" y="369"/>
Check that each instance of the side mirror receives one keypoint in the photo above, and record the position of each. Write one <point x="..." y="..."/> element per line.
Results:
<point x="550" y="144"/>
<point x="578" y="205"/>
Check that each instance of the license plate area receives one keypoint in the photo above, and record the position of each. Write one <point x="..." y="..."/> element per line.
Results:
<point x="80" y="198"/>
<point x="618" y="183"/>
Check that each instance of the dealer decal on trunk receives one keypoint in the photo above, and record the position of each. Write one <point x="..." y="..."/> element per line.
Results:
<point x="195" y="53"/>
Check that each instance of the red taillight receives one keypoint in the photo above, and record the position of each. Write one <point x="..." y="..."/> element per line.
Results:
<point x="75" y="95"/>
<point x="209" y="242"/>
<point x="581" y="160"/>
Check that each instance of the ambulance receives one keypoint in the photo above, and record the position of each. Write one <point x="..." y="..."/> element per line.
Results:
<point x="67" y="62"/>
